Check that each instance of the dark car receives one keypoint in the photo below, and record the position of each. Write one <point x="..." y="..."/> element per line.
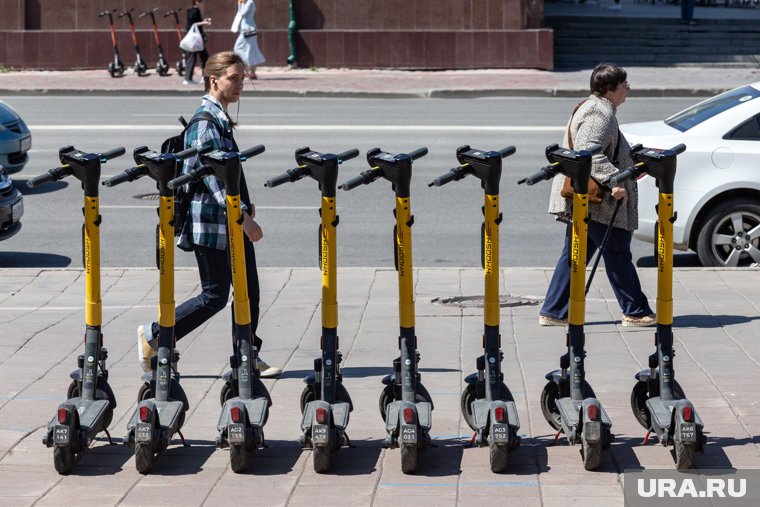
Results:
<point x="11" y="206"/>
<point x="15" y="139"/>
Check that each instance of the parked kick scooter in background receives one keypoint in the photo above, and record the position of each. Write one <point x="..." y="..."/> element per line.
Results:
<point x="658" y="402"/>
<point x="140" y="66"/>
<point x="325" y="403"/>
<point x="89" y="407"/>
<point x="115" y="68"/>
<point x="180" y="65"/>
<point x="487" y="404"/>
<point x="161" y="66"/>
<point x="567" y="401"/>
<point x="405" y="404"/>
<point x="162" y="402"/>
<point x="245" y="399"/>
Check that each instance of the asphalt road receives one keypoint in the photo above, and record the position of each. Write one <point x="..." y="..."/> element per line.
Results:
<point x="447" y="219"/>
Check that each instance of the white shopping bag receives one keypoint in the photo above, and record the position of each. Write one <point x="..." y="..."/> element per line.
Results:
<point x="192" y="42"/>
<point x="235" y="28"/>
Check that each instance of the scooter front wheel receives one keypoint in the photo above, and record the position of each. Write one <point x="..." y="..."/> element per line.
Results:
<point x="639" y="396"/>
<point x="162" y="70"/>
<point x="498" y="458"/>
<point x="112" y="69"/>
<point x="180" y="68"/>
<point x="238" y="458"/>
<point x="321" y="456"/>
<point x="408" y="459"/>
<point x="64" y="459"/>
<point x="144" y="458"/>
<point x="549" y="397"/>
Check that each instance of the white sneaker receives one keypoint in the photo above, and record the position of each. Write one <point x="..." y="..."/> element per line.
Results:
<point x="266" y="371"/>
<point x="189" y="82"/>
<point x="144" y="351"/>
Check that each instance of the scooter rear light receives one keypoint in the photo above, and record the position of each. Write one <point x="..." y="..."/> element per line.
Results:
<point x="408" y="415"/>
<point x="236" y="414"/>
<point x="593" y="412"/>
<point x="144" y="414"/>
<point x="501" y="414"/>
<point x="688" y="414"/>
<point x="321" y="416"/>
<point x="63" y="416"/>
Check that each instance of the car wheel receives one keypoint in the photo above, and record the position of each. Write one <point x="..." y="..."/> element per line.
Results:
<point x="730" y="234"/>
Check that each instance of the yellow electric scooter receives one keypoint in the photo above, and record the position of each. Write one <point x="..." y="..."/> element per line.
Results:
<point x="325" y="403"/>
<point x="487" y="404"/>
<point x="657" y="401"/>
<point x="568" y="402"/>
<point x="89" y="407"/>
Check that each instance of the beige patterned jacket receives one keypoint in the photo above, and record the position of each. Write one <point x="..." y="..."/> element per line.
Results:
<point x="595" y="123"/>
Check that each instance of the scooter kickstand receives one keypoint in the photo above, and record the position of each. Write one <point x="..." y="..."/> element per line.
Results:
<point x="646" y="438"/>
<point x="556" y="437"/>
<point x="182" y="439"/>
<point x="110" y="441"/>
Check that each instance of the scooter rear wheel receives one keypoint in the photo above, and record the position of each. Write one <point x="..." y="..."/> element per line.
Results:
<point x="408" y="459"/>
<point x="470" y="394"/>
<point x="498" y="457"/>
<point x="144" y="458"/>
<point x="238" y="458"/>
<point x="321" y="456"/>
<point x="639" y="396"/>
<point x="684" y="453"/>
<point x="63" y="460"/>
<point x="592" y="454"/>
<point x="549" y="397"/>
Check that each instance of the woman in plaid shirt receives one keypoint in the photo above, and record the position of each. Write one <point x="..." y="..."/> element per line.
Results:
<point x="205" y="229"/>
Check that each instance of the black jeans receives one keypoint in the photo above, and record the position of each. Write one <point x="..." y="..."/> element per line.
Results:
<point x="190" y="63"/>
<point x="216" y="278"/>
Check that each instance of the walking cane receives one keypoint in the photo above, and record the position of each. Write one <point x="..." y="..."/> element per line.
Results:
<point x="604" y="243"/>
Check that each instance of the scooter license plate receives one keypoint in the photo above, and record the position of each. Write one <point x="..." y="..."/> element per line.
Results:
<point x="143" y="432"/>
<point x="61" y="434"/>
<point x="408" y="434"/>
<point x="688" y="432"/>
<point x="592" y="431"/>
<point x="236" y="433"/>
<point x="320" y="434"/>
<point x="500" y="433"/>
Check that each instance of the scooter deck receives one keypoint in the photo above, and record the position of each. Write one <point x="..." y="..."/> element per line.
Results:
<point x="168" y="414"/>
<point x="90" y="411"/>
<point x="662" y="413"/>
<point x="569" y="410"/>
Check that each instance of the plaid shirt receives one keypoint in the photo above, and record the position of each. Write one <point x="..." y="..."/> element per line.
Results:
<point x="208" y="217"/>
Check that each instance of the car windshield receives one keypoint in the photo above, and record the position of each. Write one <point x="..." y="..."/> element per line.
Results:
<point x="695" y="115"/>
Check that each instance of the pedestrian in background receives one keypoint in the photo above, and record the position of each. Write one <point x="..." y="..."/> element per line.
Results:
<point x="247" y="45"/>
<point x="687" y="12"/>
<point x="194" y="17"/>
<point x="594" y="122"/>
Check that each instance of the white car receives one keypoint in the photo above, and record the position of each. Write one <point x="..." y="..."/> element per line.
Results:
<point x="717" y="185"/>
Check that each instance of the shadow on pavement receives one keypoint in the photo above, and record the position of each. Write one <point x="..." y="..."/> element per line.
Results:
<point x="44" y="189"/>
<point x="681" y="260"/>
<point x="711" y="321"/>
<point x="33" y="260"/>
<point x="361" y="372"/>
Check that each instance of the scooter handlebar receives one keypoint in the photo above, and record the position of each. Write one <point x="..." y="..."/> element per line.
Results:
<point x="52" y="175"/>
<point x="455" y="174"/>
<point x="116" y="152"/>
<point x="678" y="149"/>
<point x="347" y="155"/>
<point x="126" y="12"/>
<point x="285" y="177"/>
<point x="621" y="177"/>
<point x="106" y="13"/>
<point x="193" y="175"/>
<point x="506" y="152"/>
<point x="418" y="153"/>
<point x="131" y="174"/>
<point x="545" y="173"/>
<point x="252" y="152"/>
<point x="190" y="152"/>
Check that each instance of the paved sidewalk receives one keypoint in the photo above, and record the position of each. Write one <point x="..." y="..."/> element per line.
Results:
<point x="718" y="361"/>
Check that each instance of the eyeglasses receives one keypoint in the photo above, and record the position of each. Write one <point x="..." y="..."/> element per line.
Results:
<point x="627" y="86"/>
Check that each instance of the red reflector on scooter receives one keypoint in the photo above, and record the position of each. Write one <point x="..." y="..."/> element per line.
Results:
<point x="236" y="414"/>
<point x="321" y="415"/>
<point x="144" y="414"/>
<point x="408" y="415"/>
<point x="63" y="416"/>
<point x="501" y="414"/>
<point x="688" y="414"/>
<point x="593" y="412"/>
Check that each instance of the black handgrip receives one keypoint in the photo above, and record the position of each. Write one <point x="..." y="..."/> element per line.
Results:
<point x="131" y="174"/>
<point x="190" y="152"/>
<point x="278" y="180"/>
<point x="252" y="152"/>
<point x="456" y="173"/>
<point x="621" y="177"/>
<point x="115" y="152"/>
<point x="193" y="175"/>
<point x="594" y="149"/>
<point x="418" y="153"/>
<point x="41" y="179"/>
<point x="347" y="155"/>
<point x="354" y="182"/>
<point x="505" y="152"/>
<point x="545" y="173"/>
<point x="678" y="149"/>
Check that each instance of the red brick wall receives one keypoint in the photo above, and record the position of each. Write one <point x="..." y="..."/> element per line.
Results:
<point x="332" y="33"/>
